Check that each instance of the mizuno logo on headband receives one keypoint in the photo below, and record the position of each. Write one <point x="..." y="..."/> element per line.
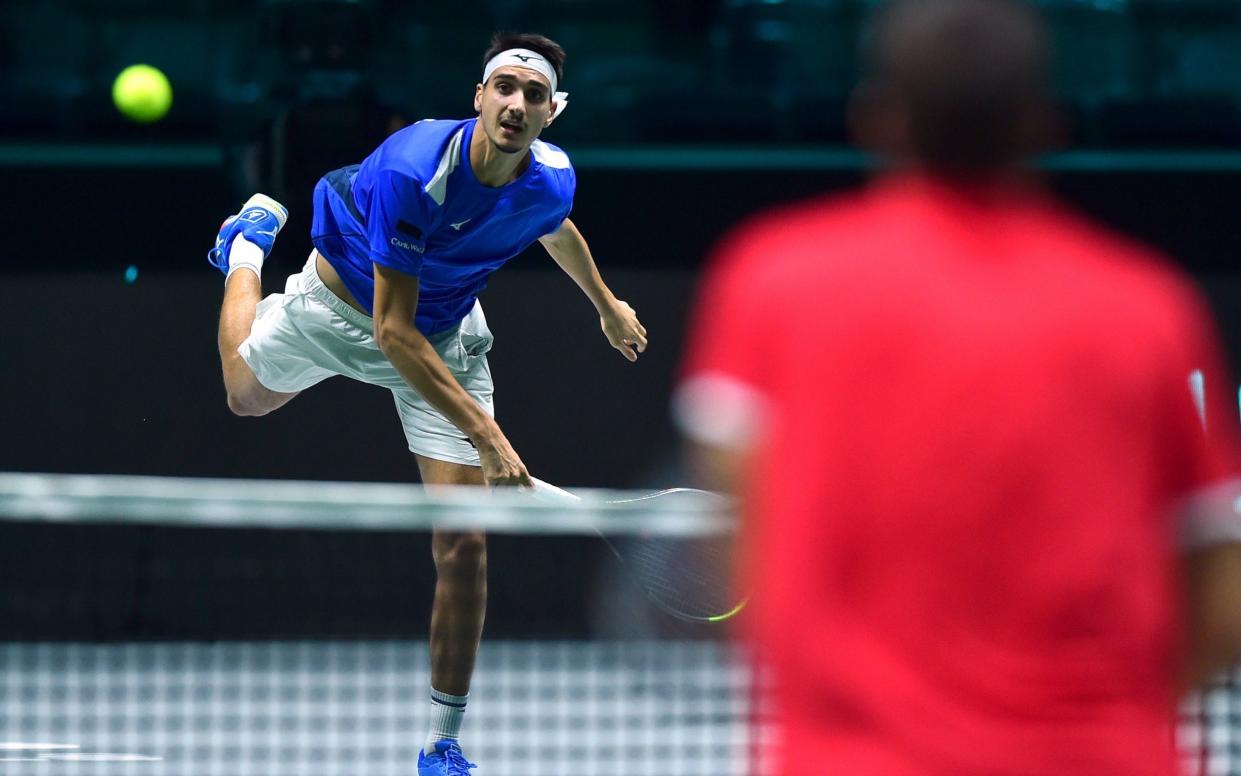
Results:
<point x="531" y="60"/>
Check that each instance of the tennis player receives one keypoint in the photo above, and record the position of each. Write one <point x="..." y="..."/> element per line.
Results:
<point x="985" y="530"/>
<point x="404" y="243"/>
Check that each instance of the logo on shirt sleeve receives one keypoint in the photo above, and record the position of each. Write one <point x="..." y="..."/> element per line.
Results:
<point x="398" y="242"/>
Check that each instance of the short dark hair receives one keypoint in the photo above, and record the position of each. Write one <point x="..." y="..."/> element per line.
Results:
<point x="968" y="72"/>
<point x="550" y="49"/>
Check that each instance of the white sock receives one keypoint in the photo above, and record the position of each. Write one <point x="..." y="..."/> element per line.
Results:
<point x="446" y="714"/>
<point x="246" y="254"/>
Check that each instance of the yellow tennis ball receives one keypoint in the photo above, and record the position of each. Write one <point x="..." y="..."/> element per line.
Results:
<point x="142" y="93"/>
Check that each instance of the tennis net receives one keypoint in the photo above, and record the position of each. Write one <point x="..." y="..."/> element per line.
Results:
<point x="186" y="627"/>
<point x="183" y="627"/>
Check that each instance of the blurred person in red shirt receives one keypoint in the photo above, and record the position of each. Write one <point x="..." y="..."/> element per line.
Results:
<point x="984" y="530"/>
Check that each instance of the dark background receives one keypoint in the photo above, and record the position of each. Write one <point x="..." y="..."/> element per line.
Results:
<point x="685" y="117"/>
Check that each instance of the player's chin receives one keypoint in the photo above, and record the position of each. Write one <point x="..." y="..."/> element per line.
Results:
<point x="512" y="145"/>
<point x="513" y="142"/>
<point x="512" y="148"/>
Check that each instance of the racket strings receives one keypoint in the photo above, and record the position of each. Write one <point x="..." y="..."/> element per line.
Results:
<point x="690" y="577"/>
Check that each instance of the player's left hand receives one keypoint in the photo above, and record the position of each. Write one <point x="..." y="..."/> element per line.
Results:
<point x="622" y="328"/>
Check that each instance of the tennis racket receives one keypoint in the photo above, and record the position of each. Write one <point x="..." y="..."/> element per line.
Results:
<point x="686" y="577"/>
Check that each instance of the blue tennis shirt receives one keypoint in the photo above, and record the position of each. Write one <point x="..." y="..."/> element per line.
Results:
<point x="414" y="205"/>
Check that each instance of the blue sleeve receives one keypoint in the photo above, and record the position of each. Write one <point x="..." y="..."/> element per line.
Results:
<point x="565" y="206"/>
<point x="397" y="222"/>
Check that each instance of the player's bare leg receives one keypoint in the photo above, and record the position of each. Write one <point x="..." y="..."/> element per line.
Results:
<point x="244" y="241"/>
<point x="456" y="624"/>
<point x="246" y="395"/>
<point x="460" y="587"/>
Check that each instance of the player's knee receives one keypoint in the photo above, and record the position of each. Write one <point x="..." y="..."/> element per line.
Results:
<point x="461" y="554"/>
<point x="246" y="405"/>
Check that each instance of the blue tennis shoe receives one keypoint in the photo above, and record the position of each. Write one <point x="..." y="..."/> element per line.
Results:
<point x="259" y="221"/>
<point x="444" y="760"/>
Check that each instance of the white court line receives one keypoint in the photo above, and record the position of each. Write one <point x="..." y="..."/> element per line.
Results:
<point x="31" y="751"/>
<point x="101" y="757"/>
<point x="10" y="746"/>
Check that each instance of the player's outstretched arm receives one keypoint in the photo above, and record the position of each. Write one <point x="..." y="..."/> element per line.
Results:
<point x="396" y="299"/>
<point x="619" y="321"/>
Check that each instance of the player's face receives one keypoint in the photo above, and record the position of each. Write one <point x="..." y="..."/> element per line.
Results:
<point x="514" y="105"/>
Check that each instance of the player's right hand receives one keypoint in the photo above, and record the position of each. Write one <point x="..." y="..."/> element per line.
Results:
<point x="624" y="331"/>
<point x="501" y="465"/>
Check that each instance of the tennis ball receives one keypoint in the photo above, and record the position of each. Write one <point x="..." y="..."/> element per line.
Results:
<point x="142" y="93"/>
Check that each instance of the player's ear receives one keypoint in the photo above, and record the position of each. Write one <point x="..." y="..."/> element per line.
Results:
<point x="478" y="98"/>
<point x="551" y="115"/>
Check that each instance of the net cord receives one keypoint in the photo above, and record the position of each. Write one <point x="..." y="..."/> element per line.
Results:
<point x="302" y="504"/>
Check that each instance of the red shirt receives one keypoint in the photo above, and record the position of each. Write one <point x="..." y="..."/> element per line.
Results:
<point x="975" y="422"/>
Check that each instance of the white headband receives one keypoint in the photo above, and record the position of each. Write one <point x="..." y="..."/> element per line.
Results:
<point x="531" y="60"/>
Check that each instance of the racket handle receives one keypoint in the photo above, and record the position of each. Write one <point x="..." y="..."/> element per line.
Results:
<point x="545" y="491"/>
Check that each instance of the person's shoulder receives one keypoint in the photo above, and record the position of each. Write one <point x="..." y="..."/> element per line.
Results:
<point x="1062" y="223"/>
<point x="786" y="232"/>
<point x="1106" y="251"/>
<point x="555" y="165"/>
<point x="429" y="131"/>
<point x="1128" y="276"/>
<point x="830" y="215"/>
<point x="778" y="251"/>
<point x="417" y="150"/>
<point x="550" y="156"/>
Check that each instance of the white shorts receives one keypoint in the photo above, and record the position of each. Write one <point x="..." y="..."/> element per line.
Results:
<point x="308" y="334"/>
